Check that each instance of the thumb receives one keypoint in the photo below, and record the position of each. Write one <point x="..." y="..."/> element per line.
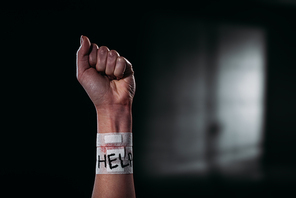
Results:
<point x="82" y="55"/>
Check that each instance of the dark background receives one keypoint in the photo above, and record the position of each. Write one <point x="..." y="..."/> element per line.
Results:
<point x="49" y="125"/>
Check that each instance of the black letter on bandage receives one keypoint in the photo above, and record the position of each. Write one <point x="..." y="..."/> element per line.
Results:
<point x="99" y="160"/>
<point x="110" y="164"/>
<point x="130" y="158"/>
<point x="121" y="162"/>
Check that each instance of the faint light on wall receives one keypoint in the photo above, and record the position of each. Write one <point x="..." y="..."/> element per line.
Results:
<point x="240" y="98"/>
<point x="186" y="136"/>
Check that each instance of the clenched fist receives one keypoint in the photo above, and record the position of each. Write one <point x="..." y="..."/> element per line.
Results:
<point x="107" y="77"/>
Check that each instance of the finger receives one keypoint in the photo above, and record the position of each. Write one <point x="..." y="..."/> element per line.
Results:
<point x="93" y="55"/>
<point x="111" y="61"/>
<point x="119" y="67"/>
<point x="82" y="55"/>
<point x="129" y="69"/>
<point x="102" y="58"/>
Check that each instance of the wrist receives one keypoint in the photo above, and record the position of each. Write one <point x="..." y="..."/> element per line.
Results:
<point x="114" y="118"/>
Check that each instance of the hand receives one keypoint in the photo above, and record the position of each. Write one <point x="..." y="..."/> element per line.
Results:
<point x="107" y="77"/>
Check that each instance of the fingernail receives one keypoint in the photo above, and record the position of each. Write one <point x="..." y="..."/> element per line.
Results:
<point x="81" y="39"/>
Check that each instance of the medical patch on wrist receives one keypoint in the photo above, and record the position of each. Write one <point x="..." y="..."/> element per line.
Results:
<point x="114" y="153"/>
<point x="114" y="139"/>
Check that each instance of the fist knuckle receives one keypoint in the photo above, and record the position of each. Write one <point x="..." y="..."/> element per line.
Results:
<point x="121" y="59"/>
<point x="113" y="54"/>
<point x="103" y="49"/>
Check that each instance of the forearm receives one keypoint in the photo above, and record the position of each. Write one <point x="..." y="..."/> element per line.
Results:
<point x="115" y="118"/>
<point x="111" y="120"/>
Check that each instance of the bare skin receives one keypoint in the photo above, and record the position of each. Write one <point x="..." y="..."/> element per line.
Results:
<point x="108" y="79"/>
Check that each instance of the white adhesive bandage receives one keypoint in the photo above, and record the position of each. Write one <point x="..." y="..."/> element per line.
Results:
<point x="114" y="153"/>
<point x="114" y="139"/>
